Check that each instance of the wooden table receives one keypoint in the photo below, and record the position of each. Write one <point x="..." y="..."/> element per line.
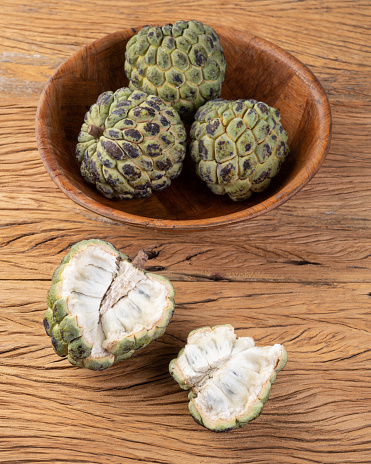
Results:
<point x="299" y="275"/>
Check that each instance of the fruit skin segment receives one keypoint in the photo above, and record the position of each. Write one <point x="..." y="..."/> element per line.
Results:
<point x="70" y="335"/>
<point x="254" y="403"/>
<point x="130" y="144"/>
<point x="237" y="146"/>
<point x="183" y="63"/>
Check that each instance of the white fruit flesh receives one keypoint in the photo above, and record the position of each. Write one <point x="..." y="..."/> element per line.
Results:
<point x="226" y="374"/>
<point x="111" y="298"/>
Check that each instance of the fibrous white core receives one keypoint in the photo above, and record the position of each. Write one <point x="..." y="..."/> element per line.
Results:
<point x="226" y="373"/>
<point x="110" y="297"/>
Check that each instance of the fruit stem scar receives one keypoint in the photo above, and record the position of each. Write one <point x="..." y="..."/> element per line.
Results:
<point x="140" y="259"/>
<point x="95" y="131"/>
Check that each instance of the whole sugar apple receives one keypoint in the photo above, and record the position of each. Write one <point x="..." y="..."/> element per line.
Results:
<point x="238" y="146"/>
<point x="184" y="64"/>
<point x="229" y="377"/>
<point x="130" y="144"/>
<point x="102" y="307"/>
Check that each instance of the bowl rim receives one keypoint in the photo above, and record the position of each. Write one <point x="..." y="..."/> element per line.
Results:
<point x="303" y="177"/>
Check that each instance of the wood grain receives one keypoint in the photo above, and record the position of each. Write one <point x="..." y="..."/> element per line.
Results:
<point x="298" y="275"/>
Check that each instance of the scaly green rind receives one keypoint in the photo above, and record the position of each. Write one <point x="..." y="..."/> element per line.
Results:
<point x="49" y="321"/>
<point x="60" y="310"/>
<point x="54" y="294"/>
<point x="59" y="345"/>
<point x="70" y="329"/>
<point x="99" y="364"/>
<point x="79" y="348"/>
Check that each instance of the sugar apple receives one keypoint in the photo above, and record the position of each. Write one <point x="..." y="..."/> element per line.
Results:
<point x="238" y="146"/>
<point x="229" y="377"/>
<point x="184" y="64"/>
<point x="130" y="144"/>
<point x="102" y="307"/>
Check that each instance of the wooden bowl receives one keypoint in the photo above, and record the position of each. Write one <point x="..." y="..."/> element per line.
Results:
<point x="255" y="69"/>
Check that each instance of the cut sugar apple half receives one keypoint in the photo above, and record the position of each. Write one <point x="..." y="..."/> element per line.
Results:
<point x="229" y="377"/>
<point x="102" y="307"/>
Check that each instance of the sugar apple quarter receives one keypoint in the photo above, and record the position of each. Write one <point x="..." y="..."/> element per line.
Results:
<point x="237" y="146"/>
<point x="229" y="378"/>
<point x="130" y="144"/>
<point x="184" y="64"/>
<point x="102" y="307"/>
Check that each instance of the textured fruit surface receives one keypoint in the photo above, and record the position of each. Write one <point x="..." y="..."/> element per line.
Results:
<point x="229" y="377"/>
<point x="238" y="146"/>
<point x="184" y="64"/>
<point x="130" y="144"/>
<point x="102" y="307"/>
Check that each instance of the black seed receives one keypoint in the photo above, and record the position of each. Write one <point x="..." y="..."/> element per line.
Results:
<point x="277" y="114"/>
<point x="152" y="128"/>
<point x="274" y="137"/>
<point x="248" y="147"/>
<point x="112" y="149"/>
<point x="129" y="122"/>
<point x="239" y="124"/>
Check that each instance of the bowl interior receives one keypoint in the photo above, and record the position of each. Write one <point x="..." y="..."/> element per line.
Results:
<point x="255" y="69"/>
